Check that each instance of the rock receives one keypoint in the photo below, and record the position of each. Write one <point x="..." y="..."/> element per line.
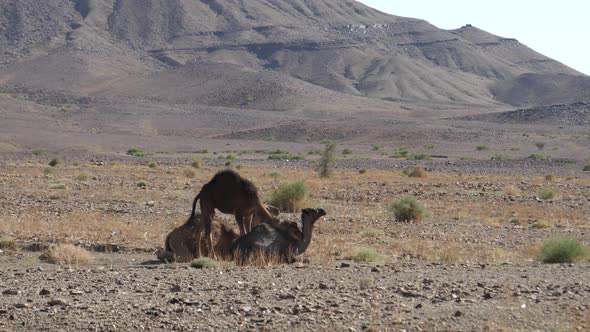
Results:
<point x="323" y="286"/>
<point x="11" y="292"/>
<point x="22" y="305"/>
<point x="3" y="311"/>
<point x="374" y="269"/>
<point x="487" y="295"/>
<point x="76" y="292"/>
<point x="44" y="292"/>
<point x="175" y="289"/>
<point x="150" y="203"/>
<point x="458" y="313"/>
<point x="286" y="296"/>
<point x="344" y="264"/>
<point x="60" y="302"/>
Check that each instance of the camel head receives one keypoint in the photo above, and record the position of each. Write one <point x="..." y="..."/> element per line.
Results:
<point x="312" y="214"/>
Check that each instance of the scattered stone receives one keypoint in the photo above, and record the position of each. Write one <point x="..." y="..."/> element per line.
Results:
<point x="60" y="302"/>
<point x="11" y="292"/>
<point x="44" y="292"/>
<point x="323" y="286"/>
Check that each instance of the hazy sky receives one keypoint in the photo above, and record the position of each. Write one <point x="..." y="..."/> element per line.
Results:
<point x="557" y="29"/>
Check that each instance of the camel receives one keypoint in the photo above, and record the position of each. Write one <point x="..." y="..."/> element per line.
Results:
<point x="181" y="243"/>
<point x="283" y="240"/>
<point x="229" y="193"/>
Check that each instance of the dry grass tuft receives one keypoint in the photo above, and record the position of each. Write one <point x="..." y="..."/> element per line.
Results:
<point x="7" y="243"/>
<point x="189" y="173"/>
<point x="67" y="254"/>
<point x="416" y="172"/>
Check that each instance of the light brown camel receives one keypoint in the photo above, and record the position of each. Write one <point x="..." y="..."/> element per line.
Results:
<point x="284" y="240"/>
<point x="229" y="193"/>
<point x="181" y="243"/>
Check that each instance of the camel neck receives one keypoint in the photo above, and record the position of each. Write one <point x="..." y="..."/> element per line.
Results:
<point x="307" y="232"/>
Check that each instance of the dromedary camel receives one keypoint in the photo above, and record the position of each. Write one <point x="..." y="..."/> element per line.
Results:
<point x="283" y="240"/>
<point x="230" y="193"/>
<point x="181" y="243"/>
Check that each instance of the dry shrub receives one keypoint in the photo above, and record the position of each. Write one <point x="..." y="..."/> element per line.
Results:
<point x="67" y="254"/>
<point x="416" y="172"/>
<point x="259" y="258"/>
<point x="7" y="243"/>
<point x="189" y="173"/>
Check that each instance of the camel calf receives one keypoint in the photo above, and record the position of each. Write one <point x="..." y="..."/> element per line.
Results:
<point x="181" y="244"/>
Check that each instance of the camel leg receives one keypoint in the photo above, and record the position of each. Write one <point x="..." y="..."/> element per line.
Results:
<point x="206" y="217"/>
<point x="240" y="222"/>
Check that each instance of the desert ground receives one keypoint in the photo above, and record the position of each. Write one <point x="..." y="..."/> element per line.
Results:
<point x="471" y="265"/>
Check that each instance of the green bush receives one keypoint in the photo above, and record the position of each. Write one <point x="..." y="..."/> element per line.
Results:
<point x="540" y="145"/>
<point x="152" y="164"/>
<point x="401" y="153"/>
<point x="362" y="171"/>
<point x="429" y="146"/>
<point x="136" y="152"/>
<point x="346" y="151"/>
<point x="562" y="250"/>
<point x="377" y="147"/>
<point x="366" y="255"/>
<point x="548" y="193"/>
<point x="324" y="164"/>
<point x="408" y="209"/>
<point x="290" y="197"/>
<point x="314" y="152"/>
<point x="274" y="174"/>
<point x="538" y="156"/>
<point x="38" y="152"/>
<point x="586" y="168"/>
<point x="419" y="156"/>
<point x="482" y="148"/>
<point x="203" y="151"/>
<point x="204" y="263"/>
<point x="500" y="156"/>
<point x="141" y="184"/>
<point x="55" y="162"/>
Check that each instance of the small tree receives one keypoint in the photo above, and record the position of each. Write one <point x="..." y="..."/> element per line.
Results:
<point x="324" y="166"/>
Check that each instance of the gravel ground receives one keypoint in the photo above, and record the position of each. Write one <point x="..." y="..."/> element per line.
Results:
<point x="130" y="292"/>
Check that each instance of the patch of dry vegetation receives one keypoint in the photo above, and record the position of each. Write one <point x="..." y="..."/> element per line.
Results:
<point x="67" y="254"/>
<point x="114" y="209"/>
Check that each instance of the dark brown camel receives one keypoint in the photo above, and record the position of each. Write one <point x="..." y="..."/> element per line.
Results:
<point x="229" y="193"/>
<point x="284" y="240"/>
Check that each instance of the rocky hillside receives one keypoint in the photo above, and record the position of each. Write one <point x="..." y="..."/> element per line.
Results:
<point x="576" y="114"/>
<point x="342" y="46"/>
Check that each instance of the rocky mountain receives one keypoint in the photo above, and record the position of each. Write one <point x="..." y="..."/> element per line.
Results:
<point x="268" y="55"/>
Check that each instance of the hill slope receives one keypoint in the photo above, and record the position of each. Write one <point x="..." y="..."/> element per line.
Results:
<point x="213" y="63"/>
